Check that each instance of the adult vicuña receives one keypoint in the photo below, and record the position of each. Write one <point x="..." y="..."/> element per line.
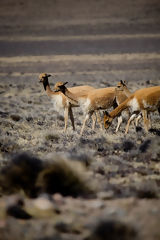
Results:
<point x="144" y="100"/>
<point x="122" y="93"/>
<point x="60" y="101"/>
<point x="96" y="99"/>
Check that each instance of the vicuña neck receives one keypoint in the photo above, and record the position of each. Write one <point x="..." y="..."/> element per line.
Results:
<point x="127" y="92"/>
<point x="119" y="109"/>
<point x="71" y="97"/>
<point x="47" y="87"/>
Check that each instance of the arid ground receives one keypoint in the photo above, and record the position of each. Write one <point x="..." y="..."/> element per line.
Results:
<point x="98" y="43"/>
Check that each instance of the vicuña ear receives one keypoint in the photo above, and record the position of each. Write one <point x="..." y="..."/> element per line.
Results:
<point x="121" y="82"/>
<point x="65" y="83"/>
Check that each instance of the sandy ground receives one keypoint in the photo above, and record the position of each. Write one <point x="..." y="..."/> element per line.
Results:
<point x="82" y="42"/>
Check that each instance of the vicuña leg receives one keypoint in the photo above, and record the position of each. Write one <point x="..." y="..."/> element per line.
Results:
<point x="119" y="123"/>
<point x="99" y="119"/>
<point x="72" y="118"/>
<point x="65" y="118"/>
<point x="93" y="121"/>
<point x="129" y="121"/>
<point x="88" y="115"/>
<point x="138" y="118"/>
<point x="145" y="119"/>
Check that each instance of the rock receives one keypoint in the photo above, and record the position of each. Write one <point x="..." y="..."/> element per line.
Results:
<point x="43" y="203"/>
<point x="15" y="208"/>
<point x="105" y="195"/>
<point x="15" y="117"/>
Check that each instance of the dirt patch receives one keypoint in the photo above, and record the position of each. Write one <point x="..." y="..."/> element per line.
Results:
<point x="112" y="182"/>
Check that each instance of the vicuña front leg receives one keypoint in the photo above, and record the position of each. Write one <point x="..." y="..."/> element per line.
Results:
<point x="65" y="118"/>
<point x="119" y="123"/>
<point x="72" y="118"/>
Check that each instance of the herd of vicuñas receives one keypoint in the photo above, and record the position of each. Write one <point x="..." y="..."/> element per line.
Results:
<point x="139" y="104"/>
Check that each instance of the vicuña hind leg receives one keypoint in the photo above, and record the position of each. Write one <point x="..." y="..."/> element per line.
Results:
<point x="119" y="123"/>
<point x="129" y="121"/>
<point x="138" y="118"/>
<point x="99" y="119"/>
<point x="145" y="119"/>
<point x="96" y="116"/>
<point x="88" y="115"/>
<point x="93" y="121"/>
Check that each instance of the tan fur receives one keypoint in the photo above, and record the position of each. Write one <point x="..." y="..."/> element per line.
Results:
<point x="144" y="100"/>
<point x="122" y="93"/>
<point x="64" y="103"/>
<point x="96" y="99"/>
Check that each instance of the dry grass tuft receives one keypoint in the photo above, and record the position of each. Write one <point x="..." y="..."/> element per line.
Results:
<point x="8" y="146"/>
<point x="52" y="137"/>
<point x="65" y="177"/>
<point x="21" y="174"/>
<point x="15" y="117"/>
<point x="112" y="230"/>
<point x="128" y="145"/>
<point x="148" y="189"/>
<point x="33" y="176"/>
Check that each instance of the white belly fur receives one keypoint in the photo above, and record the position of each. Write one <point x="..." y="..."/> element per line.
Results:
<point x="134" y="105"/>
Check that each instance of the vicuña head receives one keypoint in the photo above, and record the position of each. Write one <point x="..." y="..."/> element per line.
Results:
<point x="60" y="87"/>
<point x="43" y="78"/>
<point x="121" y="85"/>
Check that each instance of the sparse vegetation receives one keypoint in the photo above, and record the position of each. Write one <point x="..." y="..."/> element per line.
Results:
<point x="52" y="137"/>
<point x="56" y="185"/>
<point x="112" y="230"/>
<point x="15" y="117"/>
<point x="64" y="177"/>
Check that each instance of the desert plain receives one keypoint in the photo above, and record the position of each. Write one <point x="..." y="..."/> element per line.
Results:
<point x="104" y="185"/>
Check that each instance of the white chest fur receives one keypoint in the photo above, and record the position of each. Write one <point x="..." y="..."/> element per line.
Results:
<point x="57" y="102"/>
<point x="134" y="105"/>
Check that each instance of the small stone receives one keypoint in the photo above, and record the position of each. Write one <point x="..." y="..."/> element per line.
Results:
<point x="15" y="117"/>
<point x="58" y="198"/>
<point x="43" y="203"/>
<point x="105" y="195"/>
